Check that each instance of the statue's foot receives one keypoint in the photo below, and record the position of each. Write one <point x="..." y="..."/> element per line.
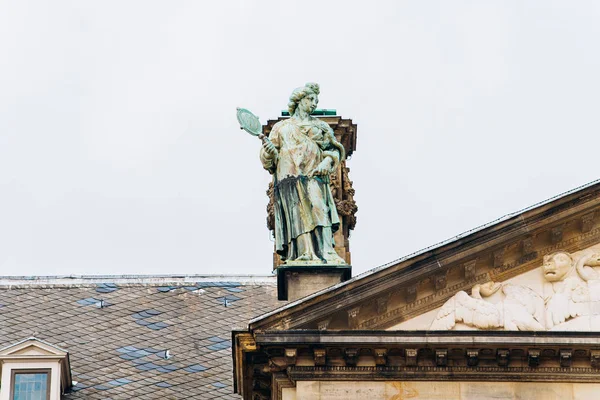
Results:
<point x="332" y="257"/>
<point x="304" y="257"/>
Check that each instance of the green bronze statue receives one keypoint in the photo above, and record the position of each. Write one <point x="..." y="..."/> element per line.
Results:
<point x="301" y="152"/>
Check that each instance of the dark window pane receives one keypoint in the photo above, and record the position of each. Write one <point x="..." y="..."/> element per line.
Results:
<point x="30" y="386"/>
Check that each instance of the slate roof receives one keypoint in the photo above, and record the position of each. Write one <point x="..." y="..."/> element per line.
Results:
<point x="119" y="350"/>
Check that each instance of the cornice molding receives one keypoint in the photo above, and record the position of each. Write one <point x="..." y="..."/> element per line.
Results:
<point x="282" y="358"/>
<point x="426" y="338"/>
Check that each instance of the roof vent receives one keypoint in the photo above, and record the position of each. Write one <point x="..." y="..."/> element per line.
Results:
<point x="166" y="354"/>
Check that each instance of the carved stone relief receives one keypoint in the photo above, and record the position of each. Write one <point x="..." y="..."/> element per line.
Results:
<point x="344" y="198"/>
<point x="563" y="294"/>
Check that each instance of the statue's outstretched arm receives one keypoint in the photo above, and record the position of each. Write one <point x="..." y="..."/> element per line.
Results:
<point x="269" y="152"/>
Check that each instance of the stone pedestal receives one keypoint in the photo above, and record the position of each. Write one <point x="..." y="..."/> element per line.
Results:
<point x="295" y="282"/>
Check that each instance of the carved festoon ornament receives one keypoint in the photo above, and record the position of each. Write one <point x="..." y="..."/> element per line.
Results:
<point x="270" y="208"/>
<point x="343" y="194"/>
<point x="568" y="300"/>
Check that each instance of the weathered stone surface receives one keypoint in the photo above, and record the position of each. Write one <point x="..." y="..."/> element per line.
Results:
<point x="301" y="282"/>
<point x="585" y="391"/>
<point x="289" y="394"/>
<point x="330" y="390"/>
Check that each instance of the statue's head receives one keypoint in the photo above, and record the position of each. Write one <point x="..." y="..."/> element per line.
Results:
<point x="306" y="98"/>
<point x="556" y="266"/>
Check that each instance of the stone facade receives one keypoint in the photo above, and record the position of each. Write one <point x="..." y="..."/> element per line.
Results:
<point x="442" y="391"/>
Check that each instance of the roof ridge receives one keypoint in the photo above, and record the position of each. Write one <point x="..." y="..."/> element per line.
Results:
<point x="133" y="280"/>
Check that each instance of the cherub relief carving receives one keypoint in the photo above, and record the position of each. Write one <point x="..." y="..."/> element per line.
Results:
<point x="566" y="296"/>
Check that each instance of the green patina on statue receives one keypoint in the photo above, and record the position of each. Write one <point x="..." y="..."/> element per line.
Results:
<point x="300" y="153"/>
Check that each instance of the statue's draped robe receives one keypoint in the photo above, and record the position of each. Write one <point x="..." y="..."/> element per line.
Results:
<point x="302" y="203"/>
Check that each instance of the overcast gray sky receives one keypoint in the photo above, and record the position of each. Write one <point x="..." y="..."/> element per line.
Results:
<point x="120" y="152"/>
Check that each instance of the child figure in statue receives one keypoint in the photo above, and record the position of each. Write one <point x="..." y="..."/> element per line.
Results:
<point x="301" y="152"/>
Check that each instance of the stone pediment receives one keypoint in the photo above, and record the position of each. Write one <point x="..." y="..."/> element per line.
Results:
<point x="410" y="292"/>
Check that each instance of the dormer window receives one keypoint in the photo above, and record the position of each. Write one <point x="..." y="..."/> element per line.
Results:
<point x="30" y="384"/>
<point x="34" y="370"/>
